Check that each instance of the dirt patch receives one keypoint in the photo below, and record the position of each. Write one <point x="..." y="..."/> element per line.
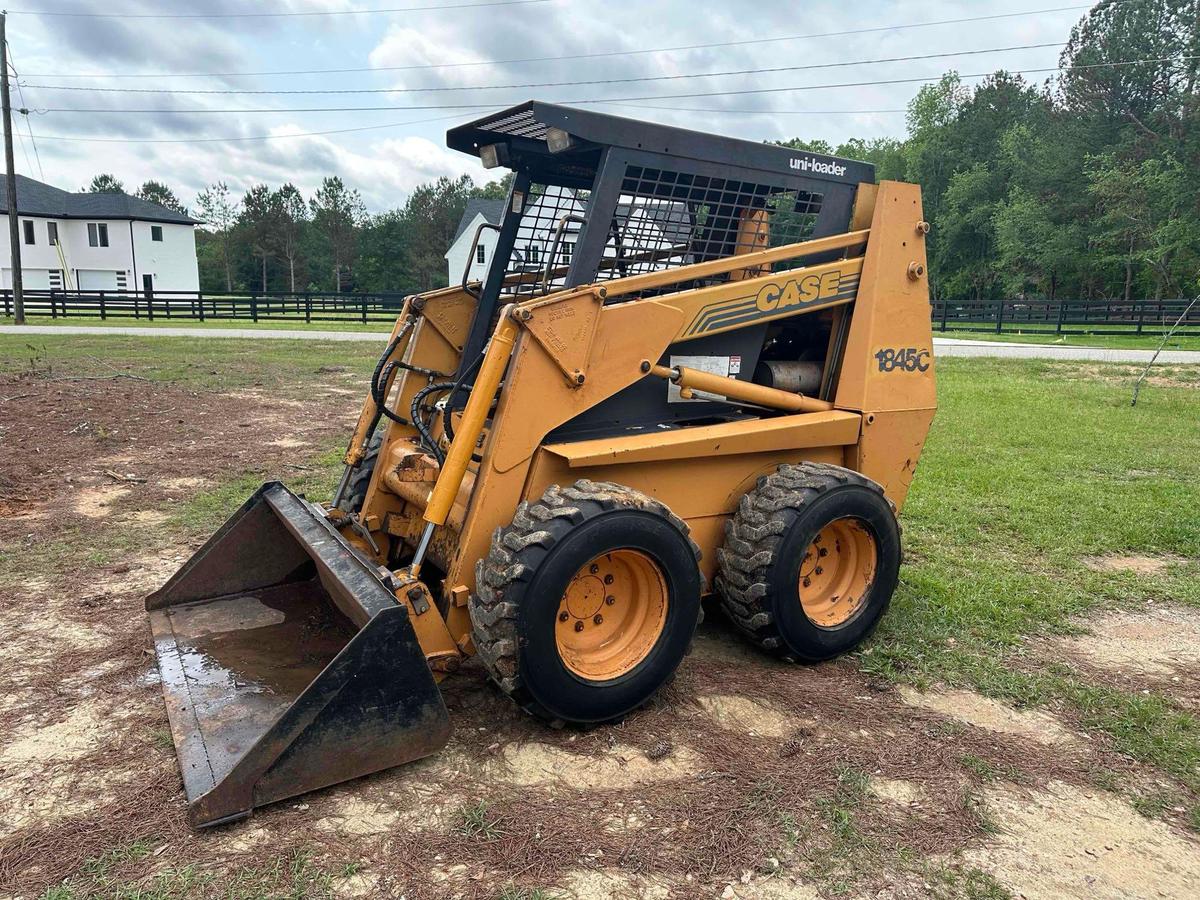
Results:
<point x="1138" y="565"/>
<point x="1163" y="375"/>
<point x="1155" y="641"/>
<point x="186" y="484"/>
<point x="742" y="714"/>
<point x="149" y="518"/>
<point x="68" y="739"/>
<point x="533" y="764"/>
<point x="287" y="443"/>
<point x="984" y="712"/>
<point x="898" y="791"/>
<point x="604" y="885"/>
<point x="97" y="502"/>
<point x="1065" y="842"/>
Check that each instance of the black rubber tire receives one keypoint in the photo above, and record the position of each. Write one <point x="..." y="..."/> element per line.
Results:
<point x="360" y="477"/>
<point x="765" y="541"/>
<point x="520" y="582"/>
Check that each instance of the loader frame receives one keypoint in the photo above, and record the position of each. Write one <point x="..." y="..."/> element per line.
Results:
<point x="561" y="354"/>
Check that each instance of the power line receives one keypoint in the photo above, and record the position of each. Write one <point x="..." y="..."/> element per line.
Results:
<point x="546" y="84"/>
<point x="457" y="115"/>
<point x="593" y="100"/>
<point x="28" y="124"/>
<point x="572" y="56"/>
<point x="266" y="15"/>
<point x="253" y="137"/>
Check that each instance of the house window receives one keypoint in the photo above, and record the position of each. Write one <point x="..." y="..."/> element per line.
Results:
<point x="52" y="233"/>
<point x="156" y="233"/>
<point x="567" y="247"/>
<point x="481" y="254"/>
<point x="97" y="234"/>
<point x="533" y="253"/>
<point x="28" y="231"/>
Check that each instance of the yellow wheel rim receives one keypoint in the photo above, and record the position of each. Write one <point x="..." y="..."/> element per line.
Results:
<point x="611" y="615"/>
<point x="837" y="572"/>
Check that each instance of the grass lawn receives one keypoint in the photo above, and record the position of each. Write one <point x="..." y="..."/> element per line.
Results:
<point x="1030" y="469"/>
<point x="1148" y="340"/>
<point x="382" y="326"/>
<point x="211" y="365"/>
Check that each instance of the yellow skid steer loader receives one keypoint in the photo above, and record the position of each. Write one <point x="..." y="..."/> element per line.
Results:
<point x="694" y="364"/>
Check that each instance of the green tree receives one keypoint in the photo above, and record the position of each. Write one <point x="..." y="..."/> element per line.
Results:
<point x="258" y="223"/>
<point x="218" y="211"/>
<point x="289" y="218"/>
<point x="105" y="184"/>
<point x="431" y="217"/>
<point x="157" y="192"/>
<point x="337" y="212"/>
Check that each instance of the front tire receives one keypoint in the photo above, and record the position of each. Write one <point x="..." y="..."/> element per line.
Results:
<point x="587" y="602"/>
<point x="810" y="562"/>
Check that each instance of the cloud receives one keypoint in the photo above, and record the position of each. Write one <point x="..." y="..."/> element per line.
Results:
<point x="386" y="164"/>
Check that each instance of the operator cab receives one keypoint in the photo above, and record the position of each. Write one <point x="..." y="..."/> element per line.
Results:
<point x="596" y="197"/>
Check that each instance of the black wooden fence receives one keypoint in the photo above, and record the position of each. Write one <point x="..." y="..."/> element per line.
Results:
<point x="1058" y="317"/>
<point x="202" y="307"/>
<point x="1067" y="316"/>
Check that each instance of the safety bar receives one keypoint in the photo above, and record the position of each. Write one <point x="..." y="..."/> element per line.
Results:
<point x="466" y="278"/>
<point x="558" y="236"/>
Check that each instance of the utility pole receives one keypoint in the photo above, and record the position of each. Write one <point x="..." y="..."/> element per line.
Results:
<point x="14" y="236"/>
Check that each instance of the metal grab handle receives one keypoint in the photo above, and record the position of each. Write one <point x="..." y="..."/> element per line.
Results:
<point x="471" y="257"/>
<point x="558" y="236"/>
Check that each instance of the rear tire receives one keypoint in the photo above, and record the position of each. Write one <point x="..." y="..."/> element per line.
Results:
<point x="360" y="477"/>
<point x="810" y="562"/>
<point x="587" y="602"/>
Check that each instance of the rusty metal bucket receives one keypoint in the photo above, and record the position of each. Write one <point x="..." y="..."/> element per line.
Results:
<point x="286" y="663"/>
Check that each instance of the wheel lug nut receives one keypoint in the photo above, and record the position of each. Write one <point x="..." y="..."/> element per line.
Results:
<point x="579" y="626"/>
<point x="824" y="551"/>
<point x="819" y="570"/>
<point x="610" y="599"/>
<point x="597" y="619"/>
<point x="807" y="581"/>
<point x="608" y="579"/>
<point x="594" y="568"/>
<point x="562" y="616"/>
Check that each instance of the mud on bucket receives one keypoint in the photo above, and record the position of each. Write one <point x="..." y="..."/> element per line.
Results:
<point x="287" y="664"/>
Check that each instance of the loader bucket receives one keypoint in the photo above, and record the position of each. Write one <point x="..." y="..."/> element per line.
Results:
<point x="286" y="663"/>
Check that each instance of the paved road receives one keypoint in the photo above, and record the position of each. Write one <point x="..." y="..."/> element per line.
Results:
<point x="958" y="347"/>
<point x="943" y="346"/>
<point x="200" y="332"/>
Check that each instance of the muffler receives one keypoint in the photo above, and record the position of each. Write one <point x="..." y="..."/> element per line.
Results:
<point x="287" y="663"/>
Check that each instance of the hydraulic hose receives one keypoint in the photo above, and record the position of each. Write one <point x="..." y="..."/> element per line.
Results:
<point x="448" y="412"/>
<point x="378" y="380"/>
<point x="422" y="427"/>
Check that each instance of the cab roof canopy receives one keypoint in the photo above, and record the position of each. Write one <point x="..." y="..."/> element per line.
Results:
<point x="562" y="144"/>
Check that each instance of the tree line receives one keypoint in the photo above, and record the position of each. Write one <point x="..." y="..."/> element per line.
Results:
<point x="1086" y="186"/>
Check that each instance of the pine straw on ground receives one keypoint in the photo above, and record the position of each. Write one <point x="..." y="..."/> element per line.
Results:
<point x="751" y="803"/>
<point x="800" y="800"/>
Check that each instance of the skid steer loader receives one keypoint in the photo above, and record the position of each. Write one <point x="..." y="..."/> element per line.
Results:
<point x="694" y="365"/>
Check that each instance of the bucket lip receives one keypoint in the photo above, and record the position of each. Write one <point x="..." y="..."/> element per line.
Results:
<point x="366" y="596"/>
<point x="268" y="542"/>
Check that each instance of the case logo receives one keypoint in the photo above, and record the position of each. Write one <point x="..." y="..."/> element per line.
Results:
<point x="797" y="292"/>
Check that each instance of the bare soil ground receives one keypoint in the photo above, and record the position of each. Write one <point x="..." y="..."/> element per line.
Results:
<point x="746" y="778"/>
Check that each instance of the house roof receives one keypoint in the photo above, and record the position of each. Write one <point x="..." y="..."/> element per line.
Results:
<point x="34" y="198"/>
<point x="491" y="210"/>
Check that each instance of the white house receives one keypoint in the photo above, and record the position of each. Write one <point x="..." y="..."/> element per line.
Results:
<point x="645" y="225"/>
<point x="478" y="212"/>
<point x="98" y="242"/>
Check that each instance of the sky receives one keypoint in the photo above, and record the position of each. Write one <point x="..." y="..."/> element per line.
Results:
<point x="471" y="57"/>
